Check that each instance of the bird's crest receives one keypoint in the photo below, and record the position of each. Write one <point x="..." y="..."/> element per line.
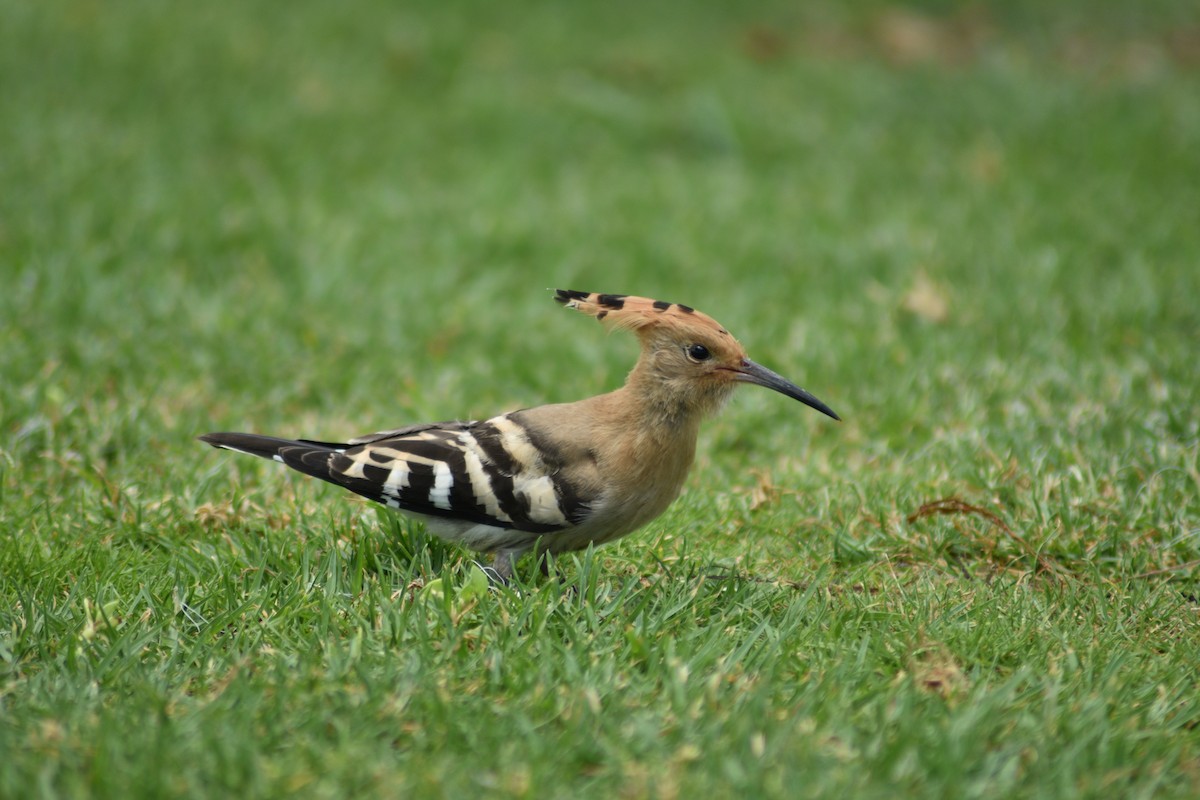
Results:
<point x="637" y="313"/>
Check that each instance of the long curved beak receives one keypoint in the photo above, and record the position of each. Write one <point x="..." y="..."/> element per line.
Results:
<point x="751" y="372"/>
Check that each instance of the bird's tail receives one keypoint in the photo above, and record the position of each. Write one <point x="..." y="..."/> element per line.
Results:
<point x="311" y="458"/>
<point x="250" y="443"/>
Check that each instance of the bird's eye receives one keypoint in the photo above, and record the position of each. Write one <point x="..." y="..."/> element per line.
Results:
<point x="698" y="352"/>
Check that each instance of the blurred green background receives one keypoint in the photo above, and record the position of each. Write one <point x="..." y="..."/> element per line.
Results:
<point x="972" y="229"/>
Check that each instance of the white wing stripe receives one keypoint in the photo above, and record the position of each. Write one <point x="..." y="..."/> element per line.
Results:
<point x="514" y="440"/>
<point x="443" y="481"/>
<point x="543" y="501"/>
<point x="481" y="483"/>
<point x="397" y="479"/>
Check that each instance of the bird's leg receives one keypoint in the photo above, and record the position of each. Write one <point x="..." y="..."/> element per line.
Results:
<point x="545" y="563"/>
<point x="503" y="564"/>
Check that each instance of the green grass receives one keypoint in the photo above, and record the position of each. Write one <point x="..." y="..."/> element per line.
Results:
<point x="973" y="232"/>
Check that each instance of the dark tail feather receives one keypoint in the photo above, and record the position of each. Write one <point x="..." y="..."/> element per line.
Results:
<point x="303" y="455"/>
<point x="250" y="443"/>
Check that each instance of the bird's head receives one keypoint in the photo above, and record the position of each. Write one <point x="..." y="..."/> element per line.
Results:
<point x="688" y="358"/>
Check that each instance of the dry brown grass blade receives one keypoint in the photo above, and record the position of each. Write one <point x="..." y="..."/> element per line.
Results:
<point x="957" y="506"/>
<point x="1168" y="570"/>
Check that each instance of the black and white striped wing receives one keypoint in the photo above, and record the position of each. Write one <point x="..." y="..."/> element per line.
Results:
<point x="487" y="473"/>
<point x="496" y="472"/>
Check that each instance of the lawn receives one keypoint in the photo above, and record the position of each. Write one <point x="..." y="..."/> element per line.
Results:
<point x="973" y="230"/>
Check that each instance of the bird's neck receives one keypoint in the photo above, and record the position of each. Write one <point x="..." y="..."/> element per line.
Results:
<point x="656" y="416"/>
<point x="673" y="405"/>
<point x="649" y="443"/>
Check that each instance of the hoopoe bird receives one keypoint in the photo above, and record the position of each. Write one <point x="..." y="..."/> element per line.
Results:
<point x="556" y="477"/>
